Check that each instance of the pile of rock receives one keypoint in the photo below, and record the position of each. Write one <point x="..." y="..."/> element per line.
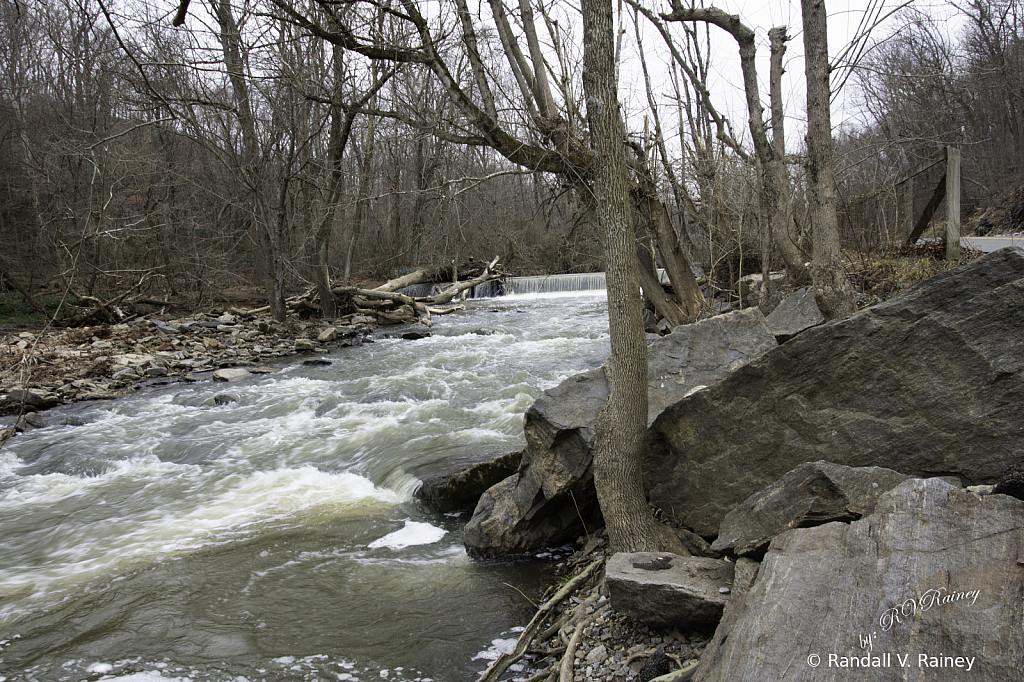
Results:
<point x="43" y="369"/>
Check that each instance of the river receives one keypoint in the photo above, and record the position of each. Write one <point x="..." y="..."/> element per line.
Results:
<point x="273" y="534"/>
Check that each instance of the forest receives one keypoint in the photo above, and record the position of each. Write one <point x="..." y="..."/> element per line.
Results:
<point x="153" y="152"/>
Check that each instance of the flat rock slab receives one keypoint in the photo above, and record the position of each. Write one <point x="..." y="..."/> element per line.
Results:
<point x="669" y="590"/>
<point x="930" y="584"/>
<point x="810" y="495"/>
<point x="797" y="312"/>
<point x="929" y="383"/>
<point x="231" y="374"/>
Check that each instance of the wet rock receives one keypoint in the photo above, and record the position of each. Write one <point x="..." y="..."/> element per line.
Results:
<point x="810" y="495"/>
<point x="318" y="362"/>
<point x="796" y="313"/>
<point x="926" y="383"/>
<point x="934" y="571"/>
<point x="224" y="399"/>
<point x="231" y="374"/>
<point x="415" y="336"/>
<point x="304" y="344"/>
<point x="328" y="335"/>
<point x="667" y="589"/>
<point x="460" y="491"/>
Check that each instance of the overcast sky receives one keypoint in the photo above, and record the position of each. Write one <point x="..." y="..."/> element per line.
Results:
<point x="845" y="19"/>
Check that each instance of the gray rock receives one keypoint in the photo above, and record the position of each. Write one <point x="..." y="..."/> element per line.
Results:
<point x="668" y="590"/>
<point x="555" y="480"/>
<point x="231" y="374"/>
<point x="460" y="492"/>
<point x="1011" y="482"/>
<point x="934" y="571"/>
<point x="810" y="495"/>
<point x="33" y="397"/>
<point x="927" y="383"/>
<point x="304" y="344"/>
<point x="796" y="313"/>
<point x="328" y="335"/>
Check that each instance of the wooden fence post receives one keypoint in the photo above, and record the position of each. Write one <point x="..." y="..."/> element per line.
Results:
<point x="952" y="203"/>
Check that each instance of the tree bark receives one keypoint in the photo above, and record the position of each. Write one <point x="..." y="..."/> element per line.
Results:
<point x="832" y="290"/>
<point x="621" y="426"/>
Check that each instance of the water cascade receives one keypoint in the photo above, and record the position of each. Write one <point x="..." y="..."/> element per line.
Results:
<point x="266" y="529"/>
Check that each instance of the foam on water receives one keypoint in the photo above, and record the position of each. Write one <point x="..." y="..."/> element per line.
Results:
<point x="413" y="533"/>
<point x="191" y="508"/>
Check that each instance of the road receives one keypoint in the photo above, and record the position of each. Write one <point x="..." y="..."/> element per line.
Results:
<point x="992" y="243"/>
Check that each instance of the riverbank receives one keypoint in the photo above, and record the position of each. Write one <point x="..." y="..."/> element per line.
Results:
<point x="43" y="369"/>
<point x="577" y="635"/>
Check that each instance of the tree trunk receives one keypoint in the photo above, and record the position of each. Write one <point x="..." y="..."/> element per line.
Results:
<point x="621" y="426"/>
<point x="832" y="290"/>
<point x="780" y="207"/>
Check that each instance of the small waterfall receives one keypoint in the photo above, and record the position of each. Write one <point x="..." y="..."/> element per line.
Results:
<point x="419" y="290"/>
<point x="586" y="281"/>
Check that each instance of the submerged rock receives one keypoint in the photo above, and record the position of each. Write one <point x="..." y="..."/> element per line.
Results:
<point x="927" y="383"/>
<point x="460" y="492"/>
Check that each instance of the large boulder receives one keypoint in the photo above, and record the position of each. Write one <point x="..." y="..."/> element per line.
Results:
<point x="552" y="496"/>
<point x="810" y="495"/>
<point x="929" y="586"/>
<point x="669" y="590"/>
<point x="927" y="383"/>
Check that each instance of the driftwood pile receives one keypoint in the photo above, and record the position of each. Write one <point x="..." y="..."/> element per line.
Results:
<point x="383" y="302"/>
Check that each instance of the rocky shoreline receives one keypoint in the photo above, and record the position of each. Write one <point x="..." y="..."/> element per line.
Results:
<point x="43" y="369"/>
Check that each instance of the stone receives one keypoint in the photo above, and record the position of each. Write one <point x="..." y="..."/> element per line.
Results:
<point x="656" y="665"/>
<point x="460" y="491"/>
<point x="1012" y="482"/>
<point x="926" y="383"/>
<point x="328" y="335"/>
<point x="304" y="344"/>
<point x="597" y="655"/>
<point x="935" y="571"/>
<point x="555" y="480"/>
<point x="749" y="286"/>
<point x="33" y="397"/>
<point x="668" y="590"/>
<point x="810" y="495"/>
<point x="231" y="374"/>
<point x="797" y="312"/>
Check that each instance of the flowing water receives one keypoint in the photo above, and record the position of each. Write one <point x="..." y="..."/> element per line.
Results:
<point x="276" y="536"/>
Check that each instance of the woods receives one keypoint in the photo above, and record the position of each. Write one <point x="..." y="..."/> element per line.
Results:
<point x="309" y="148"/>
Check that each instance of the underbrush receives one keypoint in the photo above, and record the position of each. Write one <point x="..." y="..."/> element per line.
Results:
<point x="881" y="276"/>
<point x="17" y="313"/>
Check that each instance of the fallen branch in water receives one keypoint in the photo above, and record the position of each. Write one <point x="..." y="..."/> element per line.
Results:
<point x="502" y="663"/>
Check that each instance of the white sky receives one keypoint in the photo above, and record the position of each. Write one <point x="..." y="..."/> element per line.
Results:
<point x="844" y="19"/>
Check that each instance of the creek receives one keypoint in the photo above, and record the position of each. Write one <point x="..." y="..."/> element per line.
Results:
<point x="272" y="533"/>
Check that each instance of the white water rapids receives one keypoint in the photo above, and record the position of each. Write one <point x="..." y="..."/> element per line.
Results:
<point x="276" y="537"/>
